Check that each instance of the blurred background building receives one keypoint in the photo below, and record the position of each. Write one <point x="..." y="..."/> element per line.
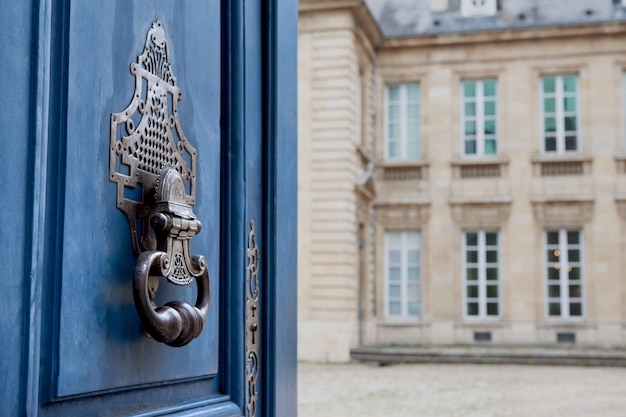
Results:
<point x="462" y="173"/>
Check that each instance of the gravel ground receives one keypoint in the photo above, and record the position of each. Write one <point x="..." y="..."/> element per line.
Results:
<point x="460" y="391"/>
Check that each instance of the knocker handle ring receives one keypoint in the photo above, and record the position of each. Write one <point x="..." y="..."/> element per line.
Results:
<point x="176" y="323"/>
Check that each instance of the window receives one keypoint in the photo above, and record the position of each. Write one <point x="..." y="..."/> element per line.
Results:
<point x="564" y="275"/>
<point x="402" y="122"/>
<point x="561" y="129"/>
<point x="403" y="276"/>
<point x="479" y="117"/>
<point x="481" y="272"/>
<point x="477" y="8"/>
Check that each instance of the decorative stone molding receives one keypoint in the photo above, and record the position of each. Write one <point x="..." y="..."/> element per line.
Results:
<point x="401" y="171"/>
<point x="481" y="213"/>
<point x="402" y="215"/>
<point x="483" y="167"/>
<point x="564" y="211"/>
<point x="365" y="187"/>
<point x="561" y="165"/>
<point x="620" y="161"/>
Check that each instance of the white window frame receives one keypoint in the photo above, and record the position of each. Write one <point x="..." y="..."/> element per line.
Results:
<point x="482" y="282"/>
<point x="404" y="282"/>
<point x="560" y="115"/>
<point x="403" y="139"/>
<point x="479" y="117"/>
<point x="564" y="282"/>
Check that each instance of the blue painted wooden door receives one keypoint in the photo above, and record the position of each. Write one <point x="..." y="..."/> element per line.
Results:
<point x="72" y="341"/>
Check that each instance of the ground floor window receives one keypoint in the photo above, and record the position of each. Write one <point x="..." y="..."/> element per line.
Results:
<point x="481" y="270"/>
<point x="403" y="274"/>
<point x="564" y="273"/>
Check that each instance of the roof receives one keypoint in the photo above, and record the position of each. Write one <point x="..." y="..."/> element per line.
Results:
<point x="401" y="18"/>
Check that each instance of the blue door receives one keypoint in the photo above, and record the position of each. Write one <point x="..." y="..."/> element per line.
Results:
<point x="148" y="208"/>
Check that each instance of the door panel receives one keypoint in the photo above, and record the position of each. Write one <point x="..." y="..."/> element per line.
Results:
<point x="97" y="323"/>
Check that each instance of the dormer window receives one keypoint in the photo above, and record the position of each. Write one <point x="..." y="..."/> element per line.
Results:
<point x="479" y="8"/>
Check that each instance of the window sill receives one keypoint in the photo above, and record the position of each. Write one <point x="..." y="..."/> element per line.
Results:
<point x="566" y="324"/>
<point x="404" y="163"/>
<point x="479" y="160"/>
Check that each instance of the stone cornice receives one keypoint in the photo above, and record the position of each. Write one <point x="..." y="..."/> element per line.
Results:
<point x="508" y="35"/>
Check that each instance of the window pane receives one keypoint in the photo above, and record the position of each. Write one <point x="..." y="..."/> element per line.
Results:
<point x="492" y="309"/>
<point x="553" y="273"/>
<point x="554" y="291"/>
<point x="413" y="256"/>
<point x="412" y="130"/>
<point x="413" y="111"/>
<point x="394" y="257"/>
<point x="413" y="239"/>
<point x="570" y="124"/>
<point x="413" y="274"/>
<point x="394" y="291"/>
<point x="492" y="291"/>
<point x="492" y="274"/>
<point x="413" y="149"/>
<point x="574" y="274"/>
<point x="491" y="238"/>
<point x="554" y="309"/>
<point x="569" y="83"/>
<point x="492" y="256"/>
<point x="489" y="88"/>
<point x="553" y="255"/>
<point x="394" y="308"/>
<point x="394" y="131"/>
<point x="472" y="291"/>
<point x="471" y="239"/>
<point x="571" y="144"/>
<point x="490" y="108"/>
<point x="573" y="255"/>
<point x="470" y="147"/>
<point x="549" y="124"/>
<point x="548" y="84"/>
<point x="472" y="274"/>
<point x="394" y="274"/>
<point x="472" y="309"/>
<point x="413" y="92"/>
<point x="394" y="112"/>
<point x="569" y="104"/>
<point x="575" y="309"/>
<point x="490" y="127"/>
<point x="472" y="256"/>
<point x="394" y="150"/>
<point x="469" y="88"/>
<point x="490" y="146"/>
<point x="575" y="291"/>
<point x="470" y="109"/>
<point x="470" y="128"/>
<point x="552" y="237"/>
<point x="414" y="308"/>
<point x="394" y="93"/>
<point x="549" y="105"/>
<point x="414" y="292"/>
<point x="573" y="238"/>
<point x="550" y="144"/>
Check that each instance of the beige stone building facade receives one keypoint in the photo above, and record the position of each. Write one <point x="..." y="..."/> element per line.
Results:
<point x="462" y="174"/>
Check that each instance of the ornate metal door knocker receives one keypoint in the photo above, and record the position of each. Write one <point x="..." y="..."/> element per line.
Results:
<point x="161" y="163"/>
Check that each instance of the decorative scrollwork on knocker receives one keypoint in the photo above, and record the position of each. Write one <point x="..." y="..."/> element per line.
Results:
<point x="150" y="155"/>
<point x="252" y="323"/>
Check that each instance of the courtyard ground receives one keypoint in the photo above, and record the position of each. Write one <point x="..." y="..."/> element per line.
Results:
<point x="439" y="390"/>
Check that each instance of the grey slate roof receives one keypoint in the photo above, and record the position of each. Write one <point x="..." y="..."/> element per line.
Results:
<point x="398" y="18"/>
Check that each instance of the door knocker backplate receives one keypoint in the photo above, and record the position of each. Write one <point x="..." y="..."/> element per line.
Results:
<point x="154" y="167"/>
